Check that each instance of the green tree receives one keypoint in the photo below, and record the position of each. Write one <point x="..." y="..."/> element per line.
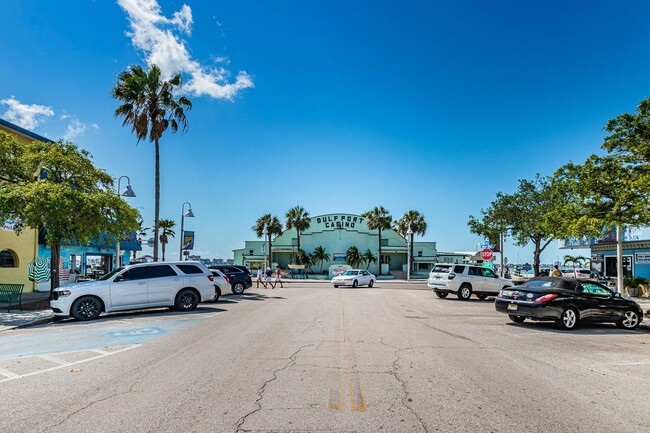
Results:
<point x="378" y="219"/>
<point x="319" y="256"/>
<point x="574" y="261"/>
<point x="368" y="257"/>
<point x="73" y="201"/>
<point x="141" y="232"/>
<point x="12" y="160"/>
<point x="150" y="108"/>
<point x="413" y="219"/>
<point x="304" y="258"/>
<point x="273" y="228"/>
<point x="353" y="257"/>
<point x="166" y="231"/>
<point x="629" y="135"/>
<point x="535" y="214"/>
<point x="298" y="218"/>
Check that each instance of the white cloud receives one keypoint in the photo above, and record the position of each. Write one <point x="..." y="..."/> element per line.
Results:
<point x="24" y="115"/>
<point x="75" y="129"/>
<point x="153" y="34"/>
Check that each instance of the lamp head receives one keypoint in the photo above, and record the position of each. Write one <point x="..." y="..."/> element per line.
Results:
<point x="189" y="213"/>
<point x="128" y="192"/>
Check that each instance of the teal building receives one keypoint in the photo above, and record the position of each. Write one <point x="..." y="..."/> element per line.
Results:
<point x="336" y="233"/>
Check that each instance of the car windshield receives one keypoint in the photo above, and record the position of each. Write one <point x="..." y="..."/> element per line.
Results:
<point x="540" y="283"/>
<point x="110" y="274"/>
<point x="441" y="268"/>
<point x="350" y="273"/>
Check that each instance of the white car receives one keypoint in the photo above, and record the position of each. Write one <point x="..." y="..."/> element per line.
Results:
<point x="144" y="285"/>
<point x="354" y="278"/>
<point x="465" y="280"/>
<point x="222" y="284"/>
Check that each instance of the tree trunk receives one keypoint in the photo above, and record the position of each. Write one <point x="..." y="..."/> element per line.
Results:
<point x="298" y="236"/>
<point x="55" y="258"/>
<point x="156" y="203"/>
<point x="536" y="255"/>
<point x="163" y="251"/>
<point x="379" y="251"/>
<point x="619" y="259"/>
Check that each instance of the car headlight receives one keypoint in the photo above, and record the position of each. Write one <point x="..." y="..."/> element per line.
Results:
<point x="64" y="292"/>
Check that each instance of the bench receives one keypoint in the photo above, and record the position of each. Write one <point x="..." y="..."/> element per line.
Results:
<point x="9" y="292"/>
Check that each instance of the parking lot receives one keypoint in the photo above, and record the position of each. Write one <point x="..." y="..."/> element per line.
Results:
<point x="309" y="357"/>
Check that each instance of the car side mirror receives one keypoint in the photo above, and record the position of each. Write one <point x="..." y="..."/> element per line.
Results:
<point x="617" y="295"/>
<point x="118" y="279"/>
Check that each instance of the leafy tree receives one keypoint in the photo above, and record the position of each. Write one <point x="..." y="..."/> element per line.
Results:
<point x="353" y="257"/>
<point x="413" y="219"/>
<point x="150" y="108"/>
<point x="535" y="213"/>
<point x="298" y="218"/>
<point x="273" y="227"/>
<point x="630" y="136"/>
<point x="368" y="257"/>
<point x="319" y="256"/>
<point x="304" y="258"/>
<point x="378" y="219"/>
<point x="12" y="161"/>
<point x="574" y="260"/>
<point x="166" y="231"/>
<point x="74" y="201"/>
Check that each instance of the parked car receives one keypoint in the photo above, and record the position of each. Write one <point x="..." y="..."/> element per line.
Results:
<point x="465" y="280"/>
<point x="144" y="285"/>
<point x="240" y="277"/>
<point x="578" y="273"/>
<point x="354" y="278"/>
<point x="568" y="301"/>
<point x="222" y="284"/>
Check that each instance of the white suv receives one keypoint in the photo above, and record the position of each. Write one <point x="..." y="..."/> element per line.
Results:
<point x="465" y="280"/>
<point x="144" y="285"/>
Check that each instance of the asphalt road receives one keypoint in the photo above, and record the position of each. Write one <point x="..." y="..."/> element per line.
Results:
<point x="311" y="358"/>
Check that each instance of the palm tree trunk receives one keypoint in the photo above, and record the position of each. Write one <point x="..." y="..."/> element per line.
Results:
<point x="156" y="204"/>
<point x="379" y="252"/>
<point x="55" y="257"/>
<point x="298" y="234"/>
<point x="163" y="251"/>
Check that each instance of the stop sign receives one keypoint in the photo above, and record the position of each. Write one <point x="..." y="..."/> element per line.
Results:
<point x="486" y="254"/>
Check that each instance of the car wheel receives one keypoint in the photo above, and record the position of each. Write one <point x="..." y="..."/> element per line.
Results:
<point x="371" y="283"/>
<point x="464" y="292"/>
<point x="217" y="294"/>
<point x="355" y="283"/>
<point x="86" y="308"/>
<point x="186" y="300"/>
<point x="238" y="288"/>
<point x="517" y="319"/>
<point x="630" y="320"/>
<point x="442" y="295"/>
<point x="568" y="319"/>
<point x="335" y="286"/>
<point x="482" y="296"/>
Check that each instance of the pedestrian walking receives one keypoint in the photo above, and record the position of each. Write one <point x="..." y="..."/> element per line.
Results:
<point x="278" y="276"/>
<point x="269" y="281"/>
<point x="260" y="276"/>
<point x="556" y="272"/>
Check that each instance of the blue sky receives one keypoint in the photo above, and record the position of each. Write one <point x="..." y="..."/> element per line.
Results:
<point x="337" y="106"/>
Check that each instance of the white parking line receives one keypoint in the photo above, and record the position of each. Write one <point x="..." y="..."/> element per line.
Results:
<point x="13" y="376"/>
<point x="54" y="360"/>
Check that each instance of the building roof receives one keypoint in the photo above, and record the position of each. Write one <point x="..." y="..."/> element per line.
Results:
<point x="24" y="132"/>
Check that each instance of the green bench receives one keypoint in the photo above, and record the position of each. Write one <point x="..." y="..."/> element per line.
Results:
<point x="9" y="292"/>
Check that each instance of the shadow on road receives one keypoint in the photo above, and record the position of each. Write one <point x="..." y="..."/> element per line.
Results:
<point x="582" y="329"/>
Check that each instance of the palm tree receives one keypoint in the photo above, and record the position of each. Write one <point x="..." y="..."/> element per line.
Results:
<point x="141" y="232"/>
<point x="352" y="257"/>
<point x="149" y="106"/>
<point x="319" y="256"/>
<point x="304" y="259"/>
<point x="378" y="219"/>
<point x="415" y="220"/>
<point x="368" y="257"/>
<point x="273" y="227"/>
<point x="575" y="261"/>
<point x="166" y="227"/>
<point x="299" y="218"/>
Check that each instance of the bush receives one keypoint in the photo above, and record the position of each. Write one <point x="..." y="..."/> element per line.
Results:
<point x="633" y="281"/>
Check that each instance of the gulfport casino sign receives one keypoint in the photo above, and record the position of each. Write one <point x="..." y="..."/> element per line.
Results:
<point x="337" y="222"/>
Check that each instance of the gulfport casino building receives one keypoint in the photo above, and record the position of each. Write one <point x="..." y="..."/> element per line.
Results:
<point x="336" y="233"/>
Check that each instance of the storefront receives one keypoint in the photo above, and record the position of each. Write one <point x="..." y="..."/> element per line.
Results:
<point x="636" y="259"/>
<point x="336" y="233"/>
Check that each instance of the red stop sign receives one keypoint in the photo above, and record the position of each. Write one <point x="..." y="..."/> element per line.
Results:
<point x="486" y="254"/>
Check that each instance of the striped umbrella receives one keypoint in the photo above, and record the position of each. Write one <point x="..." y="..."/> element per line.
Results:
<point x="39" y="270"/>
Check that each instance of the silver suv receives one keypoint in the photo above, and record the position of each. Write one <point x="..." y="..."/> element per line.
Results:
<point x="465" y="280"/>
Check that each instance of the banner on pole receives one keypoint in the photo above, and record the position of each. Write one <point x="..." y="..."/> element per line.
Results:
<point x="188" y="240"/>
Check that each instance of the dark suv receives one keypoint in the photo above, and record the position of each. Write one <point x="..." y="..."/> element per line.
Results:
<point x="239" y="276"/>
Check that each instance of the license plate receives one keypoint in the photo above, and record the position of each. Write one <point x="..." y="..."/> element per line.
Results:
<point x="512" y="307"/>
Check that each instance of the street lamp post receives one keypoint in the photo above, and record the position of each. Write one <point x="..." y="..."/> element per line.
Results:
<point x="184" y="214"/>
<point x="409" y="236"/>
<point x="265" y="232"/>
<point x="128" y="192"/>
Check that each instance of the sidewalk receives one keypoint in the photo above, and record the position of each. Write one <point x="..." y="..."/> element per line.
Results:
<point x="35" y="311"/>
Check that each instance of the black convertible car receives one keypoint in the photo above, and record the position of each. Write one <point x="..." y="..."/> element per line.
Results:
<point x="567" y="301"/>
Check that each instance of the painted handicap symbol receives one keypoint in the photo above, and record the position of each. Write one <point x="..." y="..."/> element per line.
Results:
<point x="136" y="332"/>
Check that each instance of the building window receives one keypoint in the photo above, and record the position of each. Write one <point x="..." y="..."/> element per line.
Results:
<point x="8" y="259"/>
<point x="420" y="253"/>
<point x="610" y="266"/>
<point x="250" y="252"/>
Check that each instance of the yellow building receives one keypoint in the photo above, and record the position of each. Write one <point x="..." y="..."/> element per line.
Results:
<point x="18" y="251"/>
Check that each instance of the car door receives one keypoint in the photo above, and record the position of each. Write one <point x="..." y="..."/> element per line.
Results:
<point x="592" y="302"/>
<point x="129" y="289"/>
<point x="366" y="277"/>
<point x="475" y="278"/>
<point x="609" y="306"/>
<point x="163" y="283"/>
<point x="491" y="283"/>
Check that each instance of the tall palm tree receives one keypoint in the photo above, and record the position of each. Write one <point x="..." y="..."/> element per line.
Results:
<point x="149" y="106"/>
<point x="319" y="256"/>
<point x="141" y="231"/>
<point x="352" y="257"/>
<point x="166" y="231"/>
<point x="378" y="219"/>
<point x="368" y="257"/>
<point x="575" y="261"/>
<point x="416" y="221"/>
<point x="298" y="218"/>
<point x="273" y="226"/>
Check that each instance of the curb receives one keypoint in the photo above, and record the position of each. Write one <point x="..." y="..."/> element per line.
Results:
<point x="27" y="325"/>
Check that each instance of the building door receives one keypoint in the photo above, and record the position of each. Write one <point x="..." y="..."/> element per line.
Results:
<point x="610" y="266"/>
